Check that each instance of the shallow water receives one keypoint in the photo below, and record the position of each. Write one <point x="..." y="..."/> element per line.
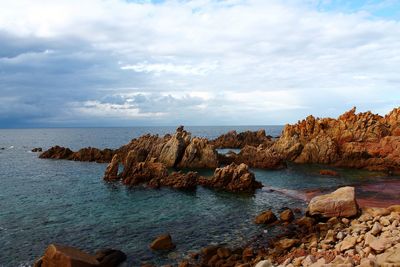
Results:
<point x="46" y="201"/>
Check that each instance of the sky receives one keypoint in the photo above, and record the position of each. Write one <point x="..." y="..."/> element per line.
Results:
<point x="84" y="63"/>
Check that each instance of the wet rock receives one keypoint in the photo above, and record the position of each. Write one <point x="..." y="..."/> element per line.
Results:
<point x="234" y="178"/>
<point x="305" y="222"/>
<point x="92" y="154"/>
<point x="85" y="154"/>
<point x="111" y="173"/>
<point x="163" y="242"/>
<point x="208" y="252"/>
<point x="177" y="180"/>
<point x="143" y="172"/>
<point x="63" y="256"/>
<point x="110" y="257"/>
<point x="340" y="203"/>
<point x="224" y="253"/>
<point x="37" y="149"/>
<point x="287" y="215"/>
<point x="57" y="152"/>
<point x="265" y="217"/>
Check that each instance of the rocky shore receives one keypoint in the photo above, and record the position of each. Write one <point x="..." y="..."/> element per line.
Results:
<point x="333" y="231"/>
<point x="364" y="140"/>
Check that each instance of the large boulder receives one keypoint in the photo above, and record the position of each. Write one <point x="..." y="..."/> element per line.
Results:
<point x="340" y="203"/>
<point x="234" y="178"/>
<point x="199" y="154"/>
<point x="266" y="217"/>
<point x="111" y="172"/>
<point x="64" y="256"/>
<point x="56" y="152"/>
<point x="172" y="152"/>
<point x="259" y="157"/>
<point x="163" y="242"/>
<point x="143" y="172"/>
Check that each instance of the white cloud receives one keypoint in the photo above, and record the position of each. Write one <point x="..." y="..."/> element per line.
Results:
<point x="201" y="69"/>
<point x="253" y="56"/>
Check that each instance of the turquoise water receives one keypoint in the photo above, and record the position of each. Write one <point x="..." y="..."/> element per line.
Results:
<point x="46" y="201"/>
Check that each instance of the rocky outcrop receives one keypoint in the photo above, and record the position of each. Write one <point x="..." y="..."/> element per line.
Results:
<point x="199" y="154"/>
<point x="363" y="140"/>
<point x="259" y="157"/>
<point x="233" y="139"/>
<point x="143" y="172"/>
<point x="64" y="256"/>
<point x="177" y="180"/>
<point x="84" y="154"/>
<point x="57" y="152"/>
<point x="178" y="150"/>
<point x="340" y="203"/>
<point x="163" y="242"/>
<point x="234" y="178"/>
<point x="172" y="152"/>
<point x="111" y="173"/>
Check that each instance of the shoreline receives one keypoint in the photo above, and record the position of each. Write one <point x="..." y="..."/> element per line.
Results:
<point x="356" y="141"/>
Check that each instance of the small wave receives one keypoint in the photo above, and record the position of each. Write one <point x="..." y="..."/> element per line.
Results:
<point x="11" y="147"/>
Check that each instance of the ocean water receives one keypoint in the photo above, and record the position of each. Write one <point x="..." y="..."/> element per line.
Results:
<point x="57" y="201"/>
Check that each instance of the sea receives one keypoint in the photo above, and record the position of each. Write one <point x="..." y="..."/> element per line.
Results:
<point x="45" y="201"/>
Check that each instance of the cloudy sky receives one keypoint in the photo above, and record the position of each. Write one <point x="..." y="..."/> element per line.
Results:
<point x="199" y="62"/>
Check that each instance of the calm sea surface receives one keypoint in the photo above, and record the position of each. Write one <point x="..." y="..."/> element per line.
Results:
<point x="48" y="201"/>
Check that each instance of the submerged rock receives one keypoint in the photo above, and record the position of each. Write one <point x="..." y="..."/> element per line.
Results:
<point x="163" y="242"/>
<point x="329" y="172"/>
<point x="234" y="178"/>
<point x="37" y="149"/>
<point x="266" y="217"/>
<point x="340" y="203"/>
